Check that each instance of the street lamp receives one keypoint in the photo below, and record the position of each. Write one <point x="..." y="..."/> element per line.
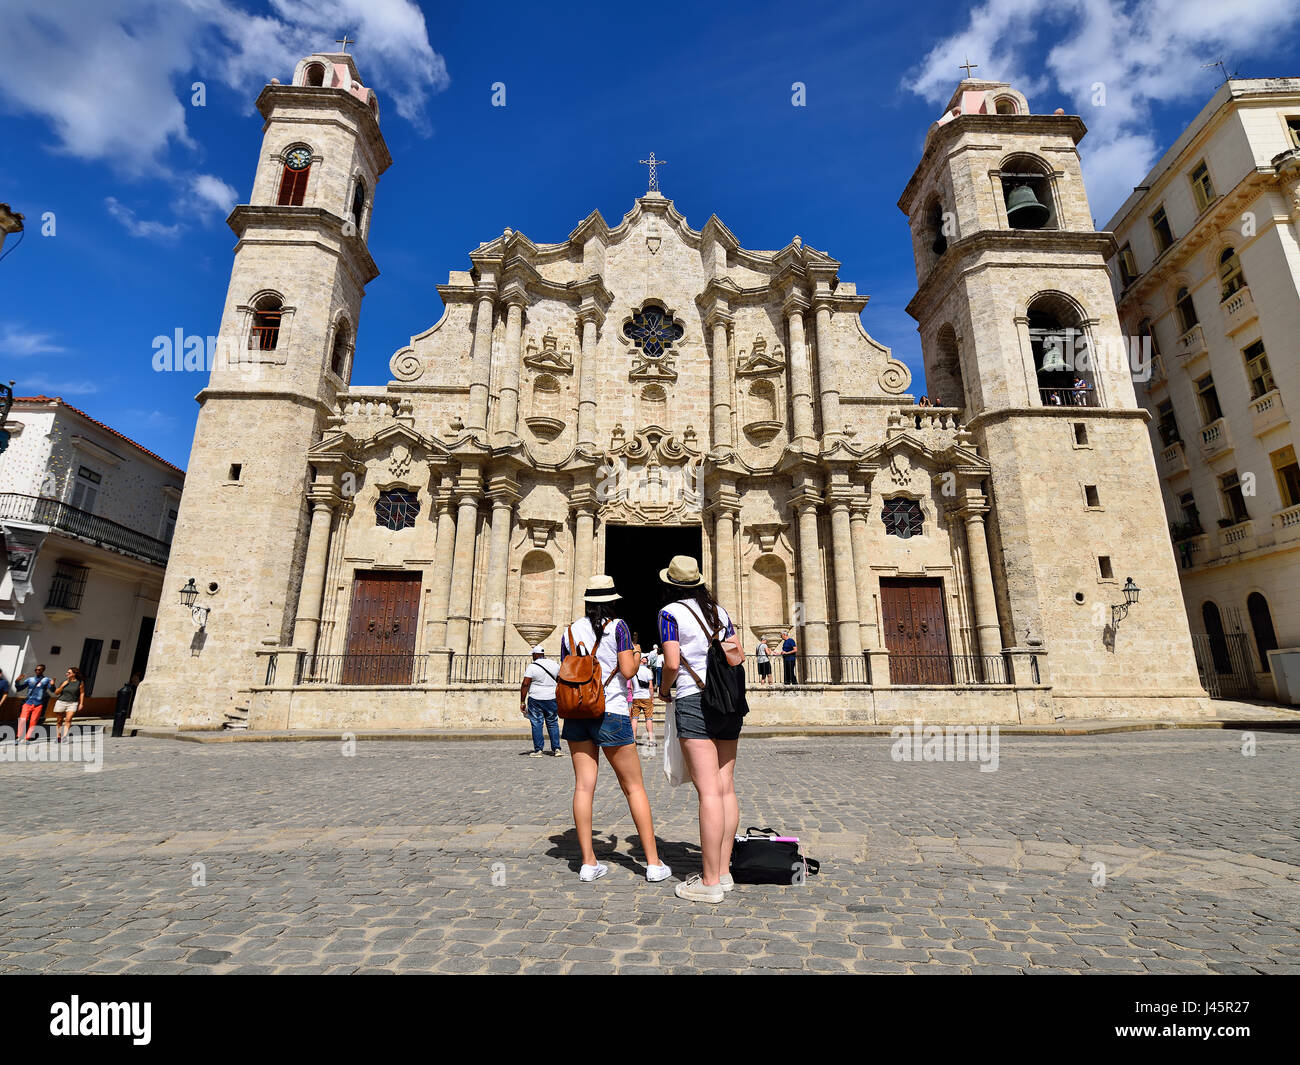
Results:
<point x="1131" y="593"/>
<point x="198" y="614"/>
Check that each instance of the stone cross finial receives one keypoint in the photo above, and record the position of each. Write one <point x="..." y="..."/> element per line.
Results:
<point x="968" y="66"/>
<point x="653" y="164"/>
<point x="345" y="41"/>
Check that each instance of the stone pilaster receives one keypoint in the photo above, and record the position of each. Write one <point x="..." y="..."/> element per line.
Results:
<point x="827" y="379"/>
<point x="800" y="372"/>
<point x="583" y="505"/>
<point x="445" y="554"/>
<point x="843" y="564"/>
<point x="504" y="493"/>
<point x="725" y="508"/>
<point x="324" y="498"/>
<point x="988" y="631"/>
<point x="481" y="363"/>
<point x="515" y="300"/>
<point x="816" y="640"/>
<point x="720" y="380"/>
<point x="469" y="489"/>
<point x="590" y="319"/>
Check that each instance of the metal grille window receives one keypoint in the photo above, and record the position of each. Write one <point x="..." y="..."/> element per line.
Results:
<point x="68" y="586"/>
<point x="396" y="509"/>
<point x="902" y="517"/>
<point x="653" y="330"/>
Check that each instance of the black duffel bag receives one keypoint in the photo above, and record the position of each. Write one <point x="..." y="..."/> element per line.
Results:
<point x="764" y="857"/>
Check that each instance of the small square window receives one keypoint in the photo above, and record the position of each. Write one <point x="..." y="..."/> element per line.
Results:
<point x="236" y="469"/>
<point x="1103" y="564"/>
<point x="1080" y="434"/>
<point x="57" y="649"/>
<point x="1090" y="494"/>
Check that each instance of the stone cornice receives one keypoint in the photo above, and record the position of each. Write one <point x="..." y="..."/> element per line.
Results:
<point x="247" y="215"/>
<point x="320" y="98"/>
<point x="1001" y="414"/>
<point x="1040" y="240"/>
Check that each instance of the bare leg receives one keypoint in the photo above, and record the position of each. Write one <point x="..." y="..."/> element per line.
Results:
<point x="702" y="762"/>
<point x="585" y="767"/>
<point x="650" y="724"/>
<point x="730" y="804"/>
<point x="627" y="766"/>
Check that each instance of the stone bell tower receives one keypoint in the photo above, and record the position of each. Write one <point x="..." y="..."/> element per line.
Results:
<point x="283" y="354"/>
<point x="1019" y="328"/>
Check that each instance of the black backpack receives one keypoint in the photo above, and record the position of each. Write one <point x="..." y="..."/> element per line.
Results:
<point x="723" y="690"/>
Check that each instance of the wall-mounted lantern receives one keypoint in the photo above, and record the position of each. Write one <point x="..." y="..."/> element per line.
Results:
<point x="1119" y="613"/>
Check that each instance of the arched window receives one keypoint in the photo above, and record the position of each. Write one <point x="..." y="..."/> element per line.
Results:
<point x="265" y="333"/>
<point x="934" y="218"/>
<point x="1185" y="309"/>
<point x="1261" y="621"/>
<point x="1007" y="106"/>
<point x="1218" y="642"/>
<point x="293" y="179"/>
<point x="945" y="384"/>
<point x="1230" y="275"/>
<point x="1062" y="355"/>
<point x="314" y="75"/>
<point x="1027" y="193"/>
<point x="339" y="353"/>
<point x="358" y="203"/>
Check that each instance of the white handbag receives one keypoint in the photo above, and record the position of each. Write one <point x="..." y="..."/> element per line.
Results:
<point x="674" y="761"/>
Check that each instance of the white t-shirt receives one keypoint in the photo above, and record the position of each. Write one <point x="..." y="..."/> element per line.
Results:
<point x="642" y="681"/>
<point x="677" y="622"/>
<point x="542" y="671"/>
<point x="618" y="637"/>
<point x="761" y="652"/>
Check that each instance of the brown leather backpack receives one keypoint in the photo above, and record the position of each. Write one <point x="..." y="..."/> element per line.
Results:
<point x="579" y="690"/>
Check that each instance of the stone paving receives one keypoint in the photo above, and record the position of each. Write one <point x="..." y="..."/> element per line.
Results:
<point x="460" y="857"/>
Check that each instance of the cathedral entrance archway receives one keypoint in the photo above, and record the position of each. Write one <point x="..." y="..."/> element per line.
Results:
<point x="634" y="555"/>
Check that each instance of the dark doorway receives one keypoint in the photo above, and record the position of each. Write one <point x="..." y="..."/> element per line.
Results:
<point x="634" y="555"/>
<point x="89" y="664"/>
<point x="141" y="661"/>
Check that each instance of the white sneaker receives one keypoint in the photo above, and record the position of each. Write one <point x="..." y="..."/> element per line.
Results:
<point x="535" y="754"/>
<point x="726" y="882"/>
<point x="656" y="873"/>
<point x="592" y="872"/>
<point x="695" y="890"/>
<point x="557" y="753"/>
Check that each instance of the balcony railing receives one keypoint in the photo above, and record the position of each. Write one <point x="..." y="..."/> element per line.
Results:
<point x="816" y="670"/>
<point x="42" y="510"/>
<point x="1068" y="397"/>
<point x="1191" y="343"/>
<point x="1267" y="412"/>
<point x="490" y="669"/>
<point x="1287" y="523"/>
<point x="1215" y="439"/>
<point x="1173" y="459"/>
<point x="1238" y="310"/>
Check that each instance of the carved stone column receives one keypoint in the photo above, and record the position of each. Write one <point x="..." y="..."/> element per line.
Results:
<point x="583" y="505"/>
<point x="827" y="378"/>
<point x="481" y="365"/>
<point x="469" y="489"/>
<point x="816" y="640"/>
<point x="869" y="633"/>
<point x="515" y="300"/>
<point x="988" y="631"/>
<point x="324" y="498"/>
<point x="720" y="381"/>
<point x="846" y="590"/>
<point x="590" y="319"/>
<point x="725" y="508"/>
<point x="504" y="494"/>
<point x="800" y="372"/>
<point x="444" y="546"/>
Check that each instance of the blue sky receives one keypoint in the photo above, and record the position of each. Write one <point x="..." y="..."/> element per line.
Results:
<point x="100" y="131"/>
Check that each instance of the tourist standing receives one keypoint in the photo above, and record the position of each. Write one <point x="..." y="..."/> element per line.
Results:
<point x="788" y="650"/>
<point x="763" y="656"/>
<point x="537" y="700"/>
<point x="69" y="697"/>
<point x="656" y="664"/>
<point x="607" y="637"/>
<point x="643" y="703"/>
<point x="37" y="688"/>
<point x="690" y="620"/>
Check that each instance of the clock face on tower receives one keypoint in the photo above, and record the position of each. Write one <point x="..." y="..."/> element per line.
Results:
<point x="298" y="159"/>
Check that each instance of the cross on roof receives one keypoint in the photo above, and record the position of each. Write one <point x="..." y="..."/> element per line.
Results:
<point x="968" y="66"/>
<point x="345" y="41"/>
<point x="653" y="163"/>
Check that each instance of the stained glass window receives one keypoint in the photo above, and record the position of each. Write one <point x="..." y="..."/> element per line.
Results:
<point x="396" y="509"/>
<point x="902" y="517"/>
<point x="653" y="330"/>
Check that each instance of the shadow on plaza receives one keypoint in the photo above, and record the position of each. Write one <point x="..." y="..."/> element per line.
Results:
<point x="683" y="857"/>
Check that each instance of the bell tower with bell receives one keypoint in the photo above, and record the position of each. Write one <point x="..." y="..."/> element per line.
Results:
<point x="1019" y="331"/>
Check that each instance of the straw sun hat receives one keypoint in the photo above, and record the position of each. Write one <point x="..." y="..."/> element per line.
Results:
<point x="600" y="589"/>
<point x="682" y="572"/>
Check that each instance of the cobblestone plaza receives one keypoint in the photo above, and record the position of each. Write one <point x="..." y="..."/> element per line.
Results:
<point x="443" y="856"/>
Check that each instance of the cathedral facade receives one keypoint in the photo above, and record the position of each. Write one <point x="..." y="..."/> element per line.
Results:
<point x="386" y="556"/>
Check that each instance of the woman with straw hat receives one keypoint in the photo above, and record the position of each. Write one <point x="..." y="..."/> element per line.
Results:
<point x="607" y="636"/>
<point x="690" y="619"/>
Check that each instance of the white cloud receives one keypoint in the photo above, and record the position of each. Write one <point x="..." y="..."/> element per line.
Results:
<point x="113" y="77"/>
<point x="18" y="344"/>
<point x="140" y="227"/>
<point x="210" y="195"/>
<point x="1143" y="54"/>
<point x="44" y="386"/>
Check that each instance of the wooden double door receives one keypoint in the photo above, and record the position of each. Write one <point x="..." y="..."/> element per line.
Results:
<point x="916" y="630"/>
<point x="381" y="627"/>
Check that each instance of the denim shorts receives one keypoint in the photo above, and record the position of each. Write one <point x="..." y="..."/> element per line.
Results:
<point x="609" y="730"/>
<point x="694" y="724"/>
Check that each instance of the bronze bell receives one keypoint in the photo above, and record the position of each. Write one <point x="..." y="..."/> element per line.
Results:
<point x="1023" y="209"/>
<point x="1054" y="356"/>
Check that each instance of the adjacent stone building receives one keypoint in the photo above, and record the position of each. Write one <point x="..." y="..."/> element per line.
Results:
<point x="1207" y="269"/>
<point x="386" y="555"/>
